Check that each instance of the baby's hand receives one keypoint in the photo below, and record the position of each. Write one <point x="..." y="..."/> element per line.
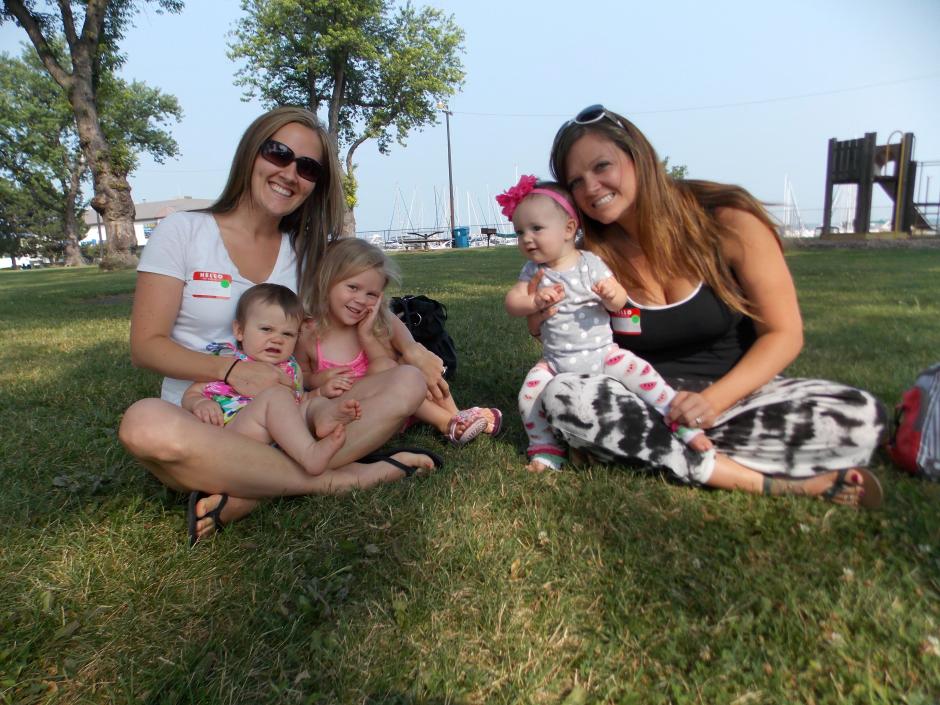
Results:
<point x="549" y="296"/>
<point x="209" y="412"/>
<point x="606" y="288"/>
<point x="701" y="443"/>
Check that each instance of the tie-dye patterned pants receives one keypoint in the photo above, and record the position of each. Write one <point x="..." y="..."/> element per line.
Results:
<point x="794" y="427"/>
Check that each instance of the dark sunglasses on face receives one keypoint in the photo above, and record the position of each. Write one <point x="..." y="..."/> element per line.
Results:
<point x="281" y="155"/>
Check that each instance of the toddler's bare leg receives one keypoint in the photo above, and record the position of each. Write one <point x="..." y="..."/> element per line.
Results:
<point x="274" y="415"/>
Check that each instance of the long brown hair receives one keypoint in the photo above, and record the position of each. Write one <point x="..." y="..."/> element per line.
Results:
<point x="678" y="232"/>
<point x="319" y="218"/>
<point x="343" y="259"/>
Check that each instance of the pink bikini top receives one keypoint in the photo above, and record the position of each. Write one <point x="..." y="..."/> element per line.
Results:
<point x="359" y="365"/>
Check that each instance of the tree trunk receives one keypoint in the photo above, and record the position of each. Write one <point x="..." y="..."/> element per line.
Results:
<point x="112" y="199"/>
<point x="349" y="223"/>
<point x="114" y="203"/>
<point x="112" y="192"/>
<point x="73" y="253"/>
<point x="349" y="215"/>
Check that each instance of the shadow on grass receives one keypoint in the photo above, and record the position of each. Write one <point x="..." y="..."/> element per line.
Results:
<point x="277" y="608"/>
<point x="61" y="444"/>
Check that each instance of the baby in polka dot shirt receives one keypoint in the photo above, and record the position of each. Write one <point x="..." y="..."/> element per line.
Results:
<point x="578" y="337"/>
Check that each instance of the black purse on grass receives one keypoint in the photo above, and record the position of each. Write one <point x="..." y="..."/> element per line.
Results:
<point x="425" y="318"/>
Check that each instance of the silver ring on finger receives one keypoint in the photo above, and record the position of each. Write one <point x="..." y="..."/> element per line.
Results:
<point x="697" y="420"/>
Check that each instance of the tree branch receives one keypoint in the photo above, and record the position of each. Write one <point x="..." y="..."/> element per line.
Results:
<point x="33" y="27"/>
<point x="339" y="87"/>
<point x="68" y="22"/>
<point x="94" y="23"/>
<point x="352" y="148"/>
<point x="366" y="104"/>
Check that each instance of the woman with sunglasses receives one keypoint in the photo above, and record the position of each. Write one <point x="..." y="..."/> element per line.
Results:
<point x="713" y="307"/>
<point x="280" y="206"/>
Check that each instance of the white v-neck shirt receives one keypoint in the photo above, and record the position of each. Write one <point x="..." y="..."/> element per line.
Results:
<point x="189" y="247"/>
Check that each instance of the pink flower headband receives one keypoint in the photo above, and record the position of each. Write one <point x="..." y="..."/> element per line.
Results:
<point x="513" y="196"/>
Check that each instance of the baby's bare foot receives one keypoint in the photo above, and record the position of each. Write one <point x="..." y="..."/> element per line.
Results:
<point x="317" y="457"/>
<point x="325" y="415"/>
<point x="538" y="466"/>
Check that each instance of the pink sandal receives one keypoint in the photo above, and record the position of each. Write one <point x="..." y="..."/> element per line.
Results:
<point x="497" y="419"/>
<point x="475" y="424"/>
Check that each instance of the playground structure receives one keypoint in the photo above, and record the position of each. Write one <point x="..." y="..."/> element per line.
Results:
<point x="892" y="167"/>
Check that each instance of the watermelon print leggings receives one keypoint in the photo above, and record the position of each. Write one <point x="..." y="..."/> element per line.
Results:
<point x="790" y="426"/>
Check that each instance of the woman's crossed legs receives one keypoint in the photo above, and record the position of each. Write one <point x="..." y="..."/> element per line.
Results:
<point x="791" y="436"/>
<point x="186" y="454"/>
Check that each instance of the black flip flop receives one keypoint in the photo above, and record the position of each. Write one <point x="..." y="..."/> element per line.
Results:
<point x="214" y="514"/>
<point x="872" y="496"/>
<point x="386" y="456"/>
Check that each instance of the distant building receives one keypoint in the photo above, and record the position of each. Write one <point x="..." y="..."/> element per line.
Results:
<point x="149" y="213"/>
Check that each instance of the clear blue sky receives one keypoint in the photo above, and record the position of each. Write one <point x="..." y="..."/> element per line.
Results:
<point x="739" y="91"/>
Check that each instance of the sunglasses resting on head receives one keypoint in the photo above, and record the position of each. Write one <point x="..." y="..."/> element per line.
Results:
<point x="591" y="114"/>
<point x="281" y="155"/>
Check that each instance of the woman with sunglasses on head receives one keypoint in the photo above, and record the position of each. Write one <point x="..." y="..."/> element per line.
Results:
<point x="713" y="307"/>
<point x="280" y="206"/>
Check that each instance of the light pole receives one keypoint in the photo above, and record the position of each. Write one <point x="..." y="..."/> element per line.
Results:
<point x="450" y="169"/>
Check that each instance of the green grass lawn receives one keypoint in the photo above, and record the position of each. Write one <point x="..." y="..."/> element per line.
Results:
<point x="480" y="584"/>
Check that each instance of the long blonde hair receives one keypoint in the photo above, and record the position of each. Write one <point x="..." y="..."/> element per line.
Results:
<point x="678" y="232"/>
<point x="319" y="218"/>
<point x="345" y="258"/>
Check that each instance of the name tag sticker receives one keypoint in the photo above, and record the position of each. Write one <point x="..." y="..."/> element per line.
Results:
<point x="626" y="321"/>
<point x="211" y="285"/>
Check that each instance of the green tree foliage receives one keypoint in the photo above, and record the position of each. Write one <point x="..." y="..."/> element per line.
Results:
<point x="39" y="154"/>
<point x="680" y="171"/>
<point x="27" y="225"/>
<point x="82" y="67"/>
<point x="132" y="118"/>
<point x="378" y="71"/>
<point x="40" y="151"/>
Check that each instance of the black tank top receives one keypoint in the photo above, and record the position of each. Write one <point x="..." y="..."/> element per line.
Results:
<point x="697" y="337"/>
